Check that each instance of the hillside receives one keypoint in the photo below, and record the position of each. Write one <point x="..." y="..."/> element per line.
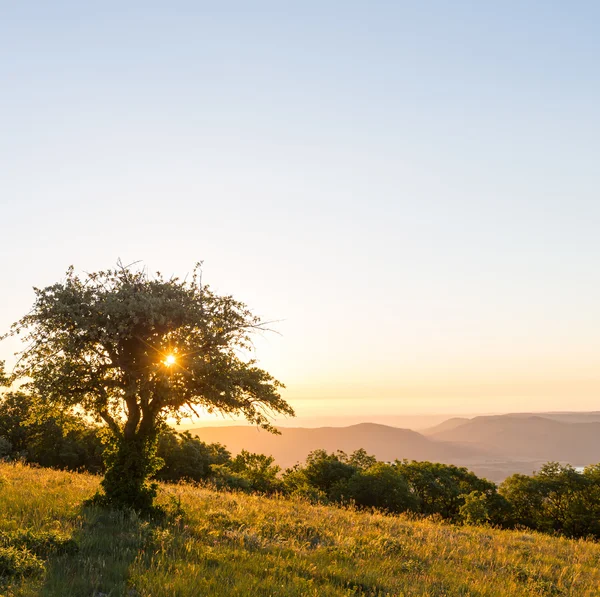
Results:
<point x="446" y="425"/>
<point x="228" y="545"/>
<point x="564" y="417"/>
<point x="528" y="437"/>
<point x="385" y="442"/>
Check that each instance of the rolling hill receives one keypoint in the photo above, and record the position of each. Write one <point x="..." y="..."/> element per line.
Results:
<point x="491" y="446"/>
<point x="447" y="425"/>
<point x="384" y="442"/>
<point x="219" y="544"/>
<point x="519" y="437"/>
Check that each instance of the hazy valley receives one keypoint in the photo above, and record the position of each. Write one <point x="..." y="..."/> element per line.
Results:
<point x="491" y="446"/>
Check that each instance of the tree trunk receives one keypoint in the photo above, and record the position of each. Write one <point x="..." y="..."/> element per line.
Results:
<point x="130" y="466"/>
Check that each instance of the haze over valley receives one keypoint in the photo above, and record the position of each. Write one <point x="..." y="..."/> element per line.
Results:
<point x="494" y="447"/>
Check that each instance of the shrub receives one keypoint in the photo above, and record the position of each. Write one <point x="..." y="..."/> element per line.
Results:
<point x="186" y="457"/>
<point x="39" y="543"/>
<point x="382" y="486"/>
<point x="556" y="499"/>
<point x="441" y="487"/>
<point x="248" y="472"/>
<point x="328" y="473"/>
<point x="475" y="508"/>
<point x="19" y="562"/>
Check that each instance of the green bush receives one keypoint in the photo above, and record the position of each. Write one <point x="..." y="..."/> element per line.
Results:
<point x="475" y="509"/>
<point x="382" y="486"/>
<point x="39" y="543"/>
<point x="248" y="472"/>
<point x="556" y="499"/>
<point x="328" y="473"/>
<point x="51" y="438"/>
<point x="441" y="488"/>
<point x="185" y="457"/>
<point x="19" y="562"/>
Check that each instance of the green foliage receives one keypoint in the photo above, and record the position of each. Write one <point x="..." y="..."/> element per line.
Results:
<point x="382" y="486"/>
<point x="130" y="465"/>
<point x="248" y="472"/>
<point x="22" y="552"/>
<point x="186" y="457"/>
<point x="441" y="487"/>
<point x="475" y="509"/>
<point x="100" y="343"/>
<point x="556" y="499"/>
<point x="357" y="478"/>
<point x="525" y="498"/>
<point x="327" y="473"/>
<point x="4" y="381"/>
<point x="359" y="459"/>
<point x="421" y="487"/>
<point x="18" y="562"/>
<point x="39" y="543"/>
<point x="16" y="419"/>
<point x="47" y="436"/>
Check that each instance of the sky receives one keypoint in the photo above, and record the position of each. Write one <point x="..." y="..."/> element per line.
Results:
<point x="409" y="188"/>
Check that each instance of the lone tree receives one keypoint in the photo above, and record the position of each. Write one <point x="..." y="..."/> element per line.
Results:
<point x="131" y="350"/>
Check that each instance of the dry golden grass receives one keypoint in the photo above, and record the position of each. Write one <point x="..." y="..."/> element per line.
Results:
<point x="222" y="544"/>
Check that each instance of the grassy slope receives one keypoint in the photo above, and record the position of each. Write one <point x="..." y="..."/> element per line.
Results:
<point x="228" y="544"/>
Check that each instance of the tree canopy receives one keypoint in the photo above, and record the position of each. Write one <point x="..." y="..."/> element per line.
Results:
<point x="131" y="349"/>
<point x="3" y="376"/>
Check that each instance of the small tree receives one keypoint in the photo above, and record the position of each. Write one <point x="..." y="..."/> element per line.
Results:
<point x="248" y="472"/>
<point x="475" y="509"/>
<point x="382" y="486"/>
<point x="131" y="350"/>
<point x="187" y="457"/>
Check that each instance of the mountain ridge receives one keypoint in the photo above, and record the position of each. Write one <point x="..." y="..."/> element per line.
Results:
<point x="494" y="446"/>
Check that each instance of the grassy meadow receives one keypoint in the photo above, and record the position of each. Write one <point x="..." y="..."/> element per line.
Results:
<point x="224" y="544"/>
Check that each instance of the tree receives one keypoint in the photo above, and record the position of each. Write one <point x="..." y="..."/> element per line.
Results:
<point x="130" y="350"/>
<point x="475" y="508"/>
<point x="382" y="486"/>
<point x="526" y="498"/>
<point x="48" y="436"/>
<point x="442" y="487"/>
<point x="556" y="499"/>
<point x="187" y="457"/>
<point x="327" y="473"/>
<point x="248" y="472"/>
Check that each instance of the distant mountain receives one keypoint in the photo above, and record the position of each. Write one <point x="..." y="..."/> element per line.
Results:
<point x="445" y="426"/>
<point x="492" y="446"/>
<point x="384" y="442"/>
<point x="528" y="437"/>
<point x="563" y="417"/>
<point x="414" y="422"/>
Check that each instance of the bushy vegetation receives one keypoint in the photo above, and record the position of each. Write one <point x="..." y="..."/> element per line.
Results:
<point x="233" y="544"/>
<point x="51" y="437"/>
<point x="557" y="499"/>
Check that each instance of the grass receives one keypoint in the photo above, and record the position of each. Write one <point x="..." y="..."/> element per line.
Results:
<point x="223" y="545"/>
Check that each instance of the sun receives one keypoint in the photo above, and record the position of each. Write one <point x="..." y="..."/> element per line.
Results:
<point x="170" y="360"/>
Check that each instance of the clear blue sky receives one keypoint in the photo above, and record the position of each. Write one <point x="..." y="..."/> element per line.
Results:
<point x="412" y="187"/>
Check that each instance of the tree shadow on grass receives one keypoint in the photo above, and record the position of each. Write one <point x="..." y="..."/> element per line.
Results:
<point x="109" y="542"/>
